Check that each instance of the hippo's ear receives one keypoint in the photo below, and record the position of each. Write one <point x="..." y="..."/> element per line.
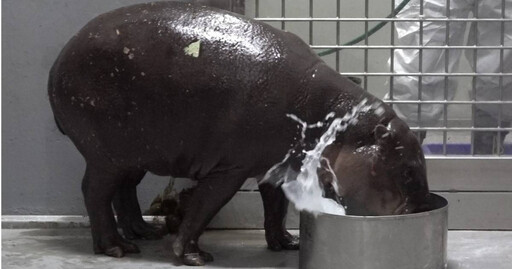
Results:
<point x="381" y="133"/>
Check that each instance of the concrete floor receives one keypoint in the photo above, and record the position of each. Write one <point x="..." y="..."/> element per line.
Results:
<point x="71" y="248"/>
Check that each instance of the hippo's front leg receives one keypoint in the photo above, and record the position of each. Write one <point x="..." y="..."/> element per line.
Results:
<point x="276" y="206"/>
<point x="210" y="195"/>
<point x="129" y="216"/>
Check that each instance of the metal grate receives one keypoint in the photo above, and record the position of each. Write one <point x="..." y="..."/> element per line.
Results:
<point x="328" y="24"/>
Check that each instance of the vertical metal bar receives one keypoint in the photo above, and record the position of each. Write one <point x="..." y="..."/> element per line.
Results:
<point x="446" y="70"/>
<point x="502" y="41"/>
<point x="366" y="15"/>
<point x="338" y="35"/>
<point x="257" y="8"/>
<point x="473" y="90"/>
<point x="283" y="14"/>
<point x="311" y="22"/>
<point x="392" y="56"/>
<point x="420" y="67"/>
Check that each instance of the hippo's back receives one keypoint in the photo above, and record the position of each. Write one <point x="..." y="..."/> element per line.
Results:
<point x="168" y="71"/>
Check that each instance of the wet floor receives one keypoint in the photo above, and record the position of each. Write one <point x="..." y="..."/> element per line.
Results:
<point x="71" y="248"/>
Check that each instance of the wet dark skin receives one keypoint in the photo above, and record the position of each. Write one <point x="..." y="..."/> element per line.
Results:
<point x="190" y="91"/>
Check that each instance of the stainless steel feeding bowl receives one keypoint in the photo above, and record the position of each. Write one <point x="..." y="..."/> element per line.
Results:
<point x="376" y="242"/>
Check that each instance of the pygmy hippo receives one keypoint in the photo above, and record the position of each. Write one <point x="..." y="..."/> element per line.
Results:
<point x="190" y="91"/>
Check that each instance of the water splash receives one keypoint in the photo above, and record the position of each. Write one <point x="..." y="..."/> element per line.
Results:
<point x="303" y="188"/>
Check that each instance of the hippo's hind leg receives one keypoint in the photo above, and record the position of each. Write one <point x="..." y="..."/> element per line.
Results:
<point x="275" y="205"/>
<point x="211" y="193"/>
<point x="99" y="186"/>
<point x="129" y="216"/>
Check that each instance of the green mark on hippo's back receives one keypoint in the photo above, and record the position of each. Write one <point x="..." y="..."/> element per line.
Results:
<point x="193" y="49"/>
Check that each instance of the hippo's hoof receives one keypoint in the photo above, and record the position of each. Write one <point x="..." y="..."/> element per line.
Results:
<point x="115" y="252"/>
<point x="197" y="259"/>
<point x="207" y="257"/>
<point x="141" y="230"/>
<point x="116" y="249"/>
<point x="283" y="241"/>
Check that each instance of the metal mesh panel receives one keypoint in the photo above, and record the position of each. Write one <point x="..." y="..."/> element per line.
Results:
<point x="328" y="24"/>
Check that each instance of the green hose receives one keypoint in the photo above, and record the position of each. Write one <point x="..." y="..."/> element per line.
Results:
<point x="369" y="33"/>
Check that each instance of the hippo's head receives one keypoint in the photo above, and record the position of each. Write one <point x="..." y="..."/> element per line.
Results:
<point x="387" y="177"/>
